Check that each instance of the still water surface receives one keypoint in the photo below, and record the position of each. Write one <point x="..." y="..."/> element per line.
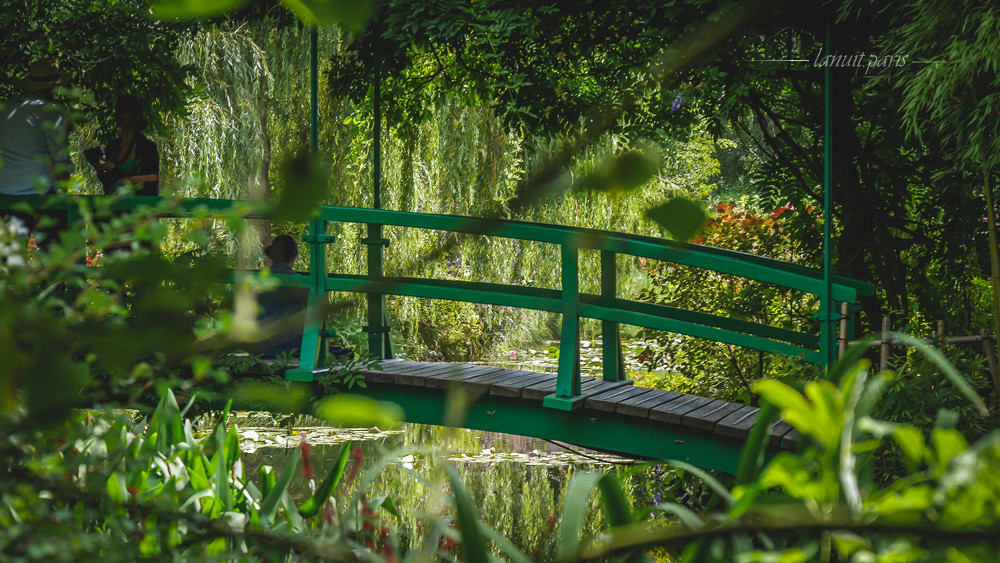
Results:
<point x="517" y="483"/>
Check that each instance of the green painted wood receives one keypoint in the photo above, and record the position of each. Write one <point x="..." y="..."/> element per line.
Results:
<point x="611" y="353"/>
<point x="720" y="260"/>
<point x="699" y="331"/>
<point x="803" y="339"/>
<point x="567" y="392"/>
<point x="593" y="429"/>
<point x="540" y="299"/>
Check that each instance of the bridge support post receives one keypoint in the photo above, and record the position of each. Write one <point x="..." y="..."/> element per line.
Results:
<point x="312" y="355"/>
<point x="379" y="343"/>
<point x="567" y="396"/>
<point x="611" y="352"/>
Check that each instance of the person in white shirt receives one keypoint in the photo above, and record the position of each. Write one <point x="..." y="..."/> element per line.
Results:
<point x="34" y="150"/>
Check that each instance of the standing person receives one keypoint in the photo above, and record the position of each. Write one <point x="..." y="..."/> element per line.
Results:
<point x="34" y="152"/>
<point x="131" y="157"/>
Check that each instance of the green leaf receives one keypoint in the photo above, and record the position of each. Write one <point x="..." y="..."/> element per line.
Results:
<point x="712" y="482"/>
<point x="351" y="13"/>
<point x="911" y="441"/>
<point x="188" y="9"/>
<point x="947" y="368"/>
<point x="574" y="508"/>
<point x="359" y="411"/>
<point x="222" y="490"/>
<point x="687" y="516"/>
<point x="323" y="492"/>
<point x="473" y="542"/>
<point x="752" y="456"/>
<point x="384" y="503"/>
<point x="680" y="217"/>
<point x="795" y="409"/>
<point x="269" y="506"/>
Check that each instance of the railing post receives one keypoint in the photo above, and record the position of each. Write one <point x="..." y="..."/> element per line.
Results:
<point x="567" y="396"/>
<point x="312" y="355"/>
<point x="379" y="344"/>
<point x="611" y="353"/>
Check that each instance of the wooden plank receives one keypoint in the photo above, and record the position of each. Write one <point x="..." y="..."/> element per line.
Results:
<point x="673" y="411"/>
<point x="467" y="374"/>
<point x="516" y="387"/>
<point x="418" y="368"/>
<point x="639" y="406"/>
<point x="464" y="372"/>
<point x="418" y="376"/>
<point x="778" y="432"/>
<point x="595" y="386"/>
<point x="486" y="380"/>
<point x="538" y="391"/>
<point x="792" y="440"/>
<point x="707" y="416"/>
<point x="609" y="400"/>
<point x="373" y="376"/>
<point x="738" y="423"/>
<point x="514" y="378"/>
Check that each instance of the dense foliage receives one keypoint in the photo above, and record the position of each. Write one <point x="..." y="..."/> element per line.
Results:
<point x="492" y="106"/>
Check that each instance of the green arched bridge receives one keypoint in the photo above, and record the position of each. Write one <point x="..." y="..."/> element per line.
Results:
<point x="603" y="413"/>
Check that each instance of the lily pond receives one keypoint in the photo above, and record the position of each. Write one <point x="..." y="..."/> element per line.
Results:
<point x="517" y="483"/>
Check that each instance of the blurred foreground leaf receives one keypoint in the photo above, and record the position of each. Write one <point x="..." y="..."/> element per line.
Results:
<point x="359" y="411"/>
<point x="185" y="9"/>
<point x="624" y="172"/>
<point x="273" y="397"/>
<point x="351" y="13"/>
<point x="305" y="185"/>
<point x="680" y="217"/>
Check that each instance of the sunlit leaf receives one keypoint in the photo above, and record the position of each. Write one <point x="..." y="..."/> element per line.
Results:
<point x="273" y="397"/>
<point x="911" y="441"/>
<point x="189" y="9"/>
<point x="680" y="217"/>
<point x="351" y="13"/>
<point x="359" y="411"/>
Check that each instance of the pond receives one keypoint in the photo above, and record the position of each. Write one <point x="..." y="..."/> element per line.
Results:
<point x="517" y="483"/>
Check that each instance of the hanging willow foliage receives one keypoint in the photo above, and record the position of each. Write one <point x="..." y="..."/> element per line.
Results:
<point x="460" y="157"/>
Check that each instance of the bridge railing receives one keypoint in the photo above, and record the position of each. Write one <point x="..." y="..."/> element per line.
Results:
<point x="574" y="305"/>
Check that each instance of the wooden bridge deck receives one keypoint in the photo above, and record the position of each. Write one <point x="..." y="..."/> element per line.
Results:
<point x="652" y="408"/>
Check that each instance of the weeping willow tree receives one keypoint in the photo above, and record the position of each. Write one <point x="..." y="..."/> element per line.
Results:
<point x="457" y="154"/>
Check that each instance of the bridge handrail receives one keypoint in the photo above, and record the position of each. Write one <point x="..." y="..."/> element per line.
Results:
<point x="568" y="300"/>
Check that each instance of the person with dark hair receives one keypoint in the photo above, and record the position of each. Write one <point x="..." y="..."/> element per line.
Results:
<point x="279" y="305"/>
<point x="131" y="157"/>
